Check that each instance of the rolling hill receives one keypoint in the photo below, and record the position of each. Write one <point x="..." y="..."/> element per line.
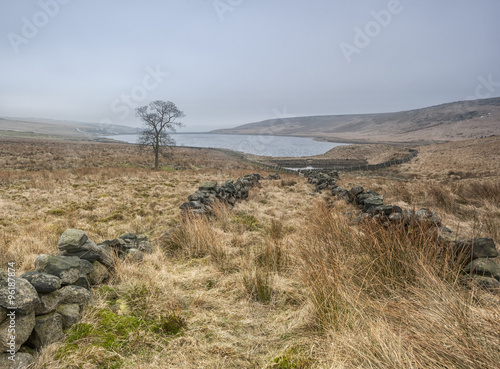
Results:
<point x="62" y="128"/>
<point x="446" y="122"/>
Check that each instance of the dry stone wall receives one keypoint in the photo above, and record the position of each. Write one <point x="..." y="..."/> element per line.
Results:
<point x="229" y="192"/>
<point x="37" y="306"/>
<point x="349" y="168"/>
<point x="475" y="254"/>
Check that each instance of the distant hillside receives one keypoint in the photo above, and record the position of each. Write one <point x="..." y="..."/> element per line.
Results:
<point x="62" y="128"/>
<point x="446" y="122"/>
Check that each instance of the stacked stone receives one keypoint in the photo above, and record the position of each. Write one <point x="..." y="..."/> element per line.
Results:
<point x="202" y="201"/>
<point x="127" y="246"/>
<point x="372" y="206"/>
<point x="322" y="179"/>
<point x="273" y="176"/>
<point x="48" y="299"/>
<point x="51" y="298"/>
<point x="475" y="254"/>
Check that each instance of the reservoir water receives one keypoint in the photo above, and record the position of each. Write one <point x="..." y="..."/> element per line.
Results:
<point x="251" y="144"/>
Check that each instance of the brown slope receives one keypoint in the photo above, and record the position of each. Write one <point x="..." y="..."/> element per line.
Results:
<point x="60" y="127"/>
<point x="446" y="122"/>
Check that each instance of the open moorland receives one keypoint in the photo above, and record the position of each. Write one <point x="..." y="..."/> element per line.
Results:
<point x="446" y="122"/>
<point x="284" y="279"/>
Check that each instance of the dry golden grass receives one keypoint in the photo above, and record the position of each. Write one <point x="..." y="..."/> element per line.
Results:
<point x="459" y="180"/>
<point x="349" y="155"/>
<point x="452" y="161"/>
<point x="372" y="153"/>
<point x="282" y="280"/>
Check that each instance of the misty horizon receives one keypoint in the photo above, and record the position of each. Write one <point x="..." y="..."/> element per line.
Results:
<point x="227" y="63"/>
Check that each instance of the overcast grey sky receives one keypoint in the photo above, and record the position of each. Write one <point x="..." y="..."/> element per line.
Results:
<point x="230" y="62"/>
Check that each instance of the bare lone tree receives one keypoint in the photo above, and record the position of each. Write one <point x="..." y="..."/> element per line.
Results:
<point x="158" y="118"/>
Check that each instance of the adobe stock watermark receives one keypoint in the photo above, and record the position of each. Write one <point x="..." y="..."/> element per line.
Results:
<point x="128" y="102"/>
<point x="32" y="25"/>
<point x="11" y="315"/>
<point x="224" y="6"/>
<point x="485" y="88"/>
<point x="363" y="36"/>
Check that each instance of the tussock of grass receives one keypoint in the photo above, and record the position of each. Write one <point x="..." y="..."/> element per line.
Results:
<point x="122" y="327"/>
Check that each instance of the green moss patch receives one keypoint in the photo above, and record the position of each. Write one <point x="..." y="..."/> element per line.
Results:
<point x="247" y="220"/>
<point x="120" y="330"/>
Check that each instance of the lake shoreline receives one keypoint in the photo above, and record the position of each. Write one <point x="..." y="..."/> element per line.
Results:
<point x="262" y="145"/>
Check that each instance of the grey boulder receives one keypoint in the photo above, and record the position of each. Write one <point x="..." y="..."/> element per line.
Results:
<point x="67" y="295"/>
<point x="23" y="325"/>
<point x="48" y="329"/>
<point x="25" y="298"/>
<point x="477" y="248"/>
<point x="70" y="314"/>
<point x="74" y="295"/>
<point x="48" y="302"/>
<point x="21" y="360"/>
<point x="73" y="240"/>
<point x="42" y="282"/>
<point x="484" y="267"/>
<point x="99" y="275"/>
<point x="65" y="267"/>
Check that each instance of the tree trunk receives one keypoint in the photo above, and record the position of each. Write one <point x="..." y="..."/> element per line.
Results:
<point x="156" y="157"/>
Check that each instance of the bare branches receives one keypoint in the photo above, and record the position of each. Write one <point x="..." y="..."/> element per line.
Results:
<point x="158" y="118"/>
